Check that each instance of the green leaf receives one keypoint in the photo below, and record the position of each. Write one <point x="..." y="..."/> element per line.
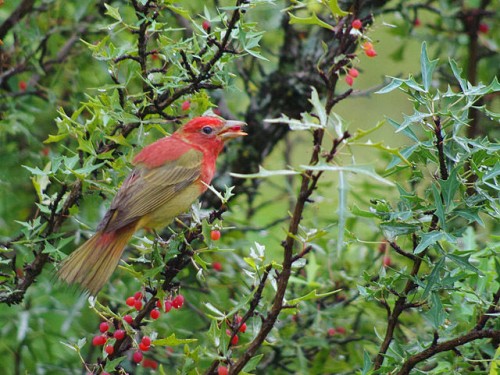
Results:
<point x="342" y="211"/>
<point x="361" y="169"/>
<point x="172" y="341"/>
<point x="311" y="295"/>
<point x="393" y="85"/>
<point x="319" y="108"/>
<point x="439" y="207"/>
<point x="112" y="12"/>
<point x="394" y="229"/>
<point x="427" y="66"/>
<point x="427" y="240"/>
<point x="367" y="363"/>
<point x="252" y="363"/>
<point x="335" y="8"/>
<point x="111" y="365"/>
<point x="264" y="173"/>
<point x="436" y="313"/>
<point x="311" y="20"/>
<point x="463" y="262"/>
<point x="433" y="278"/>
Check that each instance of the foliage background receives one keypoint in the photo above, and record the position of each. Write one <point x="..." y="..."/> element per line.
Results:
<point x="61" y="81"/>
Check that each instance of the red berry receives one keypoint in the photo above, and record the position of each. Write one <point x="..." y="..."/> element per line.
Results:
<point x="103" y="327"/>
<point x="349" y="80"/>
<point x="483" y="28"/>
<point x="370" y="52"/>
<point x="154" y="56"/>
<point x="154" y="314"/>
<point x="109" y="349"/>
<point x="138" y="295"/>
<point x="353" y="72"/>
<point x="158" y="304"/>
<point x="146" y="341"/>
<point x="168" y="305"/>
<point x="215" y="235"/>
<point x="357" y="24"/>
<point x="143" y="347"/>
<point x="341" y="330"/>
<point x="186" y="105"/>
<point x="130" y="301"/>
<point x="234" y="340"/>
<point x="178" y="301"/>
<point x="222" y="370"/>
<point x="331" y="331"/>
<point x="206" y="25"/>
<point x="387" y="261"/>
<point x="243" y="328"/>
<point x="417" y="22"/>
<point x="367" y="45"/>
<point x="119" y="334"/>
<point x="23" y="85"/>
<point x="149" y="363"/>
<point x="128" y="319"/>
<point x="137" y="356"/>
<point x="217" y="266"/>
<point x="98" y="340"/>
<point x="138" y="304"/>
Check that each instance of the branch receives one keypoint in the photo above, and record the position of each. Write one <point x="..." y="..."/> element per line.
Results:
<point x="22" y="10"/>
<point x="434" y="349"/>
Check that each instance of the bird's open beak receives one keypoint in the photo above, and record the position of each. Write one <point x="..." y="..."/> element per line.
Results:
<point x="232" y="129"/>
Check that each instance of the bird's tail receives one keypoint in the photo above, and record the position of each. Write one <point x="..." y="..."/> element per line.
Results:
<point x="92" y="264"/>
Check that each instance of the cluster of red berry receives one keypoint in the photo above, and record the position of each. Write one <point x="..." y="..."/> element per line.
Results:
<point x="222" y="370"/>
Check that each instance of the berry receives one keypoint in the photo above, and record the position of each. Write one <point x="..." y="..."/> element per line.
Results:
<point x="370" y="52"/>
<point x="130" y="301"/>
<point x="138" y="304"/>
<point x="353" y="72"/>
<point x="154" y="314"/>
<point x="341" y="330"/>
<point x="98" y="340"/>
<point x="215" y="235"/>
<point x="357" y="24"/>
<point x="128" y="319"/>
<point x="367" y="45"/>
<point x="222" y="370"/>
<point x="186" y="105"/>
<point x="109" y="349"/>
<point x="206" y="25"/>
<point x="217" y="266"/>
<point x="138" y="295"/>
<point x="483" y="28"/>
<point x="23" y="85"/>
<point x="149" y="363"/>
<point x="103" y="327"/>
<point x="349" y="80"/>
<point x="331" y="331"/>
<point x="234" y="340"/>
<point x="137" y="356"/>
<point x="119" y="334"/>
<point x="158" y="304"/>
<point x="143" y="347"/>
<point x="154" y="56"/>
<point x="386" y="261"/>
<point x="417" y="22"/>
<point x="178" y="301"/>
<point x="243" y="328"/>
<point x="146" y="341"/>
<point x="168" y="305"/>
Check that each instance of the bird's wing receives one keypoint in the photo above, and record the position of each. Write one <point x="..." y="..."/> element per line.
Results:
<point x="147" y="189"/>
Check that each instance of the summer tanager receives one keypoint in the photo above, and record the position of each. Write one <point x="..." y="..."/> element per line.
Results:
<point x="169" y="175"/>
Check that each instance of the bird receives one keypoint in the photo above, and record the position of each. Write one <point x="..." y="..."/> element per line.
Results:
<point x="168" y="176"/>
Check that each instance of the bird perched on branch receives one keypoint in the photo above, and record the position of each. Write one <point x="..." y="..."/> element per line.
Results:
<point x="169" y="175"/>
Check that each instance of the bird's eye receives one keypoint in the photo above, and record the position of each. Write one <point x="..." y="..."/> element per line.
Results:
<point x="207" y="129"/>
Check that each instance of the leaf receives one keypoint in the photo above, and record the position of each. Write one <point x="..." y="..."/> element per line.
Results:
<point x="366" y="170"/>
<point x="394" y="229"/>
<point x="394" y="84"/>
<point x="252" y="363"/>
<point x="111" y="365"/>
<point x="319" y="108"/>
<point x="439" y="207"/>
<point x="112" y="12"/>
<point x="427" y="66"/>
<point x="172" y="341"/>
<point x="311" y="20"/>
<point x="342" y="211"/>
<point x="463" y="262"/>
<point x="264" y="173"/>
<point x="215" y="310"/>
<point x="311" y="295"/>
<point x="427" y="240"/>
<point x="433" y="278"/>
<point x="436" y="313"/>
<point x="335" y="8"/>
<point x="295" y="124"/>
